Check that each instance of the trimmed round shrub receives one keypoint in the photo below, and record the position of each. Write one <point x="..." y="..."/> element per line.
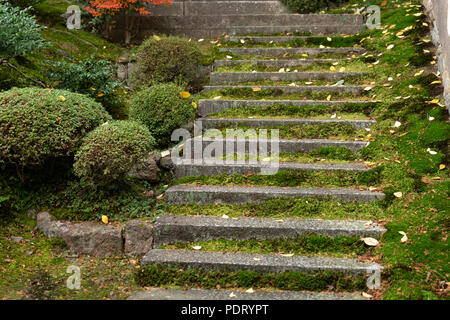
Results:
<point x="39" y="124"/>
<point x="111" y="151"/>
<point x="166" y="59"/>
<point x="162" y="109"/>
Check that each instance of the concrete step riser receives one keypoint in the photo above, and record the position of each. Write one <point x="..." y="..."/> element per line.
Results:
<point x="293" y="89"/>
<point x="207" y="32"/>
<point x="206" y="107"/>
<point x="225" y="21"/>
<point x="173" y="228"/>
<point x="217" y="78"/>
<point x="270" y="263"/>
<point x="272" y="63"/>
<point x="179" y="195"/>
<point x="213" y="168"/>
<point x="274" y="39"/>
<point x="211" y="123"/>
<point x="197" y="294"/>
<point x="282" y="51"/>
<point x="207" y="147"/>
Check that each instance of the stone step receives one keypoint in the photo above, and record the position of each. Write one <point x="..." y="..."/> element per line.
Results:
<point x="267" y="39"/>
<point x="292" y="89"/>
<point x="264" y="263"/>
<point x="279" y="51"/>
<point x="199" y="294"/>
<point x="211" y="106"/>
<point x="208" y="148"/>
<point x="211" y="123"/>
<point x="175" y="228"/>
<point x="150" y="26"/>
<point x="217" y="78"/>
<point x="273" y="63"/>
<point x="233" y="7"/>
<point x="208" y="194"/>
<point x="213" y="167"/>
<point x="284" y="19"/>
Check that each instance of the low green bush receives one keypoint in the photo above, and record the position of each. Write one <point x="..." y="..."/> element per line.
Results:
<point x="20" y="34"/>
<point x="162" y="109"/>
<point x="166" y="59"/>
<point x="109" y="152"/>
<point x="94" y="78"/>
<point x="38" y="124"/>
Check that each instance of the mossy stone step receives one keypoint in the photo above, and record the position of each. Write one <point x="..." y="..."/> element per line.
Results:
<point x="201" y="294"/>
<point x="297" y="51"/>
<point x="268" y="39"/>
<point x="213" y="167"/>
<point x="205" y="148"/>
<point x="217" y="78"/>
<point x="211" y="123"/>
<point x="176" y="228"/>
<point x="293" y="89"/>
<point x="209" y="194"/>
<point x="211" y="106"/>
<point x="331" y="29"/>
<point x="283" y="63"/>
<point x="264" y="263"/>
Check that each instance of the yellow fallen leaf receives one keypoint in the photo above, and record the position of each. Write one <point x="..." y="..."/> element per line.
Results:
<point x="100" y="95"/>
<point x="156" y="37"/>
<point x="256" y="89"/>
<point x="372" y="242"/>
<point x="419" y="73"/>
<point x="250" y="290"/>
<point x="329" y="98"/>
<point x="194" y="105"/>
<point x="105" y="219"/>
<point x="436" y="178"/>
<point x="304" y="55"/>
<point x="366" y="295"/>
<point x="185" y="94"/>
<point x="332" y="68"/>
<point x="442" y="167"/>
<point x="436" y="82"/>
<point x="404" y="238"/>
<point x="62" y="98"/>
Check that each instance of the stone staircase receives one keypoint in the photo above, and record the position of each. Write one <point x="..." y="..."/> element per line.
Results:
<point x="210" y="19"/>
<point x="197" y="227"/>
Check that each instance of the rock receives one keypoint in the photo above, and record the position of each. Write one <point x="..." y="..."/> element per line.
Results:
<point x="124" y="59"/>
<point x="166" y="163"/>
<point x="148" y="170"/>
<point x="122" y="72"/>
<point x="86" y="238"/>
<point x="138" y="237"/>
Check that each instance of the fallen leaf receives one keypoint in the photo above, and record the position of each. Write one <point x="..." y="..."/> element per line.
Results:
<point x="185" y="94"/>
<point x="442" y="167"/>
<point x="404" y="238"/>
<point x="250" y="290"/>
<point x="372" y="242"/>
<point x="62" y="98"/>
<point x="256" y="89"/>
<point x="156" y="37"/>
<point x="196" y="247"/>
<point x="105" y="219"/>
<point x="366" y="295"/>
<point x="398" y="194"/>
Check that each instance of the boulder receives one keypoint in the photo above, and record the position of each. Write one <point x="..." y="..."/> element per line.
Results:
<point x="148" y="170"/>
<point x="138" y="237"/>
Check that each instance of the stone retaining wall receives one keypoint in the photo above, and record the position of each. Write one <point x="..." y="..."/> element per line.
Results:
<point x="437" y="11"/>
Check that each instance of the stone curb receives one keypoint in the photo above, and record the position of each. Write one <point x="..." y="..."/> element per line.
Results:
<point x="99" y="240"/>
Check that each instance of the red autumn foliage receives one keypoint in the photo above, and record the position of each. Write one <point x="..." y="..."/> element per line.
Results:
<point x="111" y="7"/>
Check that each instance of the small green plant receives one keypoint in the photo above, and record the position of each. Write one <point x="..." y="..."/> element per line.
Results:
<point x="109" y="152"/>
<point x="92" y="77"/>
<point x="167" y="59"/>
<point x="39" y="124"/>
<point x="20" y="34"/>
<point x="162" y="109"/>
